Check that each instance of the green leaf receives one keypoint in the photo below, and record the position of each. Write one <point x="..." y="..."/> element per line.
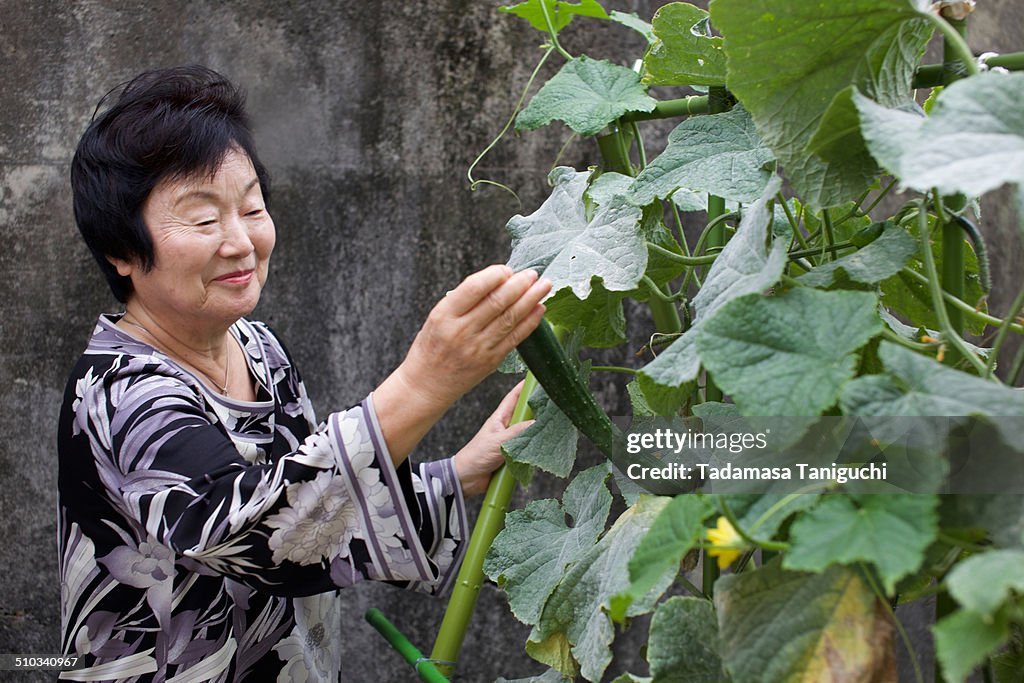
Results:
<point x="877" y="261"/>
<point x="771" y="510"/>
<point x="576" y="607"/>
<point x="683" y="642"/>
<point x="891" y="532"/>
<point x="599" y="316"/>
<point x="720" y="154"/>
<point x="660" y="399"/>
<point x="760" y="352"/>
<point x="928" y="388"/>
<point x="684" y="52"/>
<point x="560" y="13"/>
<point x="587" y="95"/>
<point x="788" y="61"/>
<point x="550" y="442"/>
<point x="674" y="532"/>
<point x="964" y="639"/>
<point x="559" y="241"/>
<point x="744" y="266"/>
<point x="533" y="550"/>
<point x="973" y="141"/>
<point x="631" y="20"/>
<point x="777" y="626"/>
<point x="549" y="676"/>
<point x="983" y="582"/>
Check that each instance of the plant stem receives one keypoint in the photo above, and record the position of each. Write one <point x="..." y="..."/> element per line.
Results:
<point x="552" y="32"/>
<point x="639" y="144"/>
<point x="903" y="341"/>
<point x="669" y="109"/>
<point x="682" y="230"/>
<point x="949" y="334"/>
<point x="1004" y="329"/>
<point x="955" y="41"/>
<point x="767" y="545"/>
<point x="962" y="305"/>
<point x="679" y="258"/>
<point x="830" y="239"/>
<point x="815" y="251"/>
<point x="792" y="221"/>
<point x="952" y="263"/>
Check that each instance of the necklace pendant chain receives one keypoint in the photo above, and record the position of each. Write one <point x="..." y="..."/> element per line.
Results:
<point x="222" y="388"/>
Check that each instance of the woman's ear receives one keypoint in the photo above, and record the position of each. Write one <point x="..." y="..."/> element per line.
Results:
<point x="124" y="268"/>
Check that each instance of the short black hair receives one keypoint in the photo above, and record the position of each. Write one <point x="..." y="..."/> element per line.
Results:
<point x="171" y="123"/>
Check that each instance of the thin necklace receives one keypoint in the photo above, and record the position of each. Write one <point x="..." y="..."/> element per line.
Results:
<point x="223" y="388"/>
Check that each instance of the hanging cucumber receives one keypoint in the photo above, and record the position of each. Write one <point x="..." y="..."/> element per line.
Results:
<point x="549" y="363"/>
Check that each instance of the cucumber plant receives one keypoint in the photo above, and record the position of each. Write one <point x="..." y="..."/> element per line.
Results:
<point x="798" y="297"/>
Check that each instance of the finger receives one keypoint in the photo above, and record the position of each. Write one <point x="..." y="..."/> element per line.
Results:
<point x="522" y="330"/>
<point x="508" y="404"/>
<point x="502" y="326"/>
<point x="515" y="430"/>
<point x="475" y="287"/>
<point x="497" y="304"/>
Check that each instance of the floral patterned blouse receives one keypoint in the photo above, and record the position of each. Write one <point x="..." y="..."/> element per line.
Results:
<point x="203" y="538"/>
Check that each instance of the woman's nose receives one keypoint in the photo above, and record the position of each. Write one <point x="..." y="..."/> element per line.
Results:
<point x="237" y="241"/>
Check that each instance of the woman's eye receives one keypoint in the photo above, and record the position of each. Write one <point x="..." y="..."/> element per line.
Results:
<point x="255" y="212"/>
<point x="209" y="221"/>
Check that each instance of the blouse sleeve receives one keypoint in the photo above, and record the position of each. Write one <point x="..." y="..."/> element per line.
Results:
<point x="330" y="513"/>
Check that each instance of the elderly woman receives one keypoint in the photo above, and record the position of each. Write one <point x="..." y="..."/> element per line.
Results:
<point x="207" y="519"/>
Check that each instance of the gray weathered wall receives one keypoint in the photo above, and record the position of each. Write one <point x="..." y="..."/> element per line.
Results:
<point x="367" y="114"/>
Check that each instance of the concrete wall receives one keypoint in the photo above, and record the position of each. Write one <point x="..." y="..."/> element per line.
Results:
<point x="367" y="114"/>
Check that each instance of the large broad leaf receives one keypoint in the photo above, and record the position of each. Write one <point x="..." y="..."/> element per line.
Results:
<point x="786" y="627"/>
<point x="559" y="241"/>
<point x="683" y="643"/>
<point x="790" y="60"/>
<point x="983" y="582"/>
<point x="923" y="387"/>
<point x="549" y="443"/>
<point x="877" y="261"/>
<point x="973" y="141"/>
<point x="790" y="354"/>
<point x="720" y="154"/>
<point x="964" y="639"/>
<point x="560" y="13"/>
<point x="528" y="557"/>
<point x="549" y="676"/>
<point x="631" y="20"/>
<point x="586" y="94"/>
<point x="577" y="607"/>
<point x="675" y="531"/>
<point x="684" y="52"/>
<point x="745" y="266"/>
<point x="891" y="532"/>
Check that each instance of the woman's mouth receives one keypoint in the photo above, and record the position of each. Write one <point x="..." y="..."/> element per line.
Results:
<point x="239" y="277"/>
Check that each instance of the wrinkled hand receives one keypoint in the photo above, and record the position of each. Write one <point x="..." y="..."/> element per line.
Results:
<point x="482" y="455"/>
<point x="470" y="331"/>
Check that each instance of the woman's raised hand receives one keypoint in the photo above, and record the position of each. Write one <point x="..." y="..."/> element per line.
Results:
<point x="471" y="330"/>
<point x="465" y="337"/>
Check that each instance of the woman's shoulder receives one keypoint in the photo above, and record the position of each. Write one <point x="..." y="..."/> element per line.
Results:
<point x="273" y="349"/>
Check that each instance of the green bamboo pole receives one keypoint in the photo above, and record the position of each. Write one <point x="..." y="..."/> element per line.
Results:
<point x="471" y="575"/>
<point x="718" y="103"/>
<point x="424" y="667"/>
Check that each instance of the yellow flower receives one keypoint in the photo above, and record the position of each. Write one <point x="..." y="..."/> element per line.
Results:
<point x="727" y="544"/>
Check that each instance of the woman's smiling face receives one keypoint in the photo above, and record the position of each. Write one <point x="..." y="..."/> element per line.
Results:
<point x="212" y="239"/>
